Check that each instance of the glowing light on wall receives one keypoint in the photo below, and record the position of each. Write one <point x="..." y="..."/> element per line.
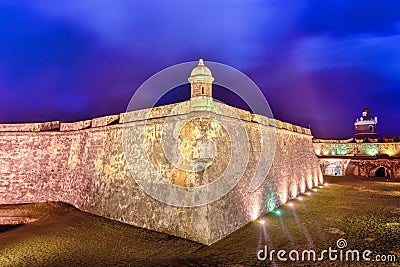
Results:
<point x="321" y="178"/>
<point x="261" y="222"/>
<point x="340" y="150"/>
<point x="254" y="212"/>
<point x="293" y="191"/>
<point x="300" y="198"/>
<point x="371" y="150"/>
<point x="257" y="207"/>
<point x="308" y="194"/>
<point x="283" y="196"/>
<point x="290" y="204"/>
<point x="389" y="152"/>
<point x="271" y="204"/>
<point x="303" y="186"/>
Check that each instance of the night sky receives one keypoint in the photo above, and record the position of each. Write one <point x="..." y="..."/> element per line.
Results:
<point x="318" y="63"/>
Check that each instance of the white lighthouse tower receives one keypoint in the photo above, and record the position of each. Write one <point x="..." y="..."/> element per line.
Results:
<point x="365" y="127"/>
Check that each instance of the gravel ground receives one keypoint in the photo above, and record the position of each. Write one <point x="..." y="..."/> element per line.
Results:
<point x="365" y="213"/>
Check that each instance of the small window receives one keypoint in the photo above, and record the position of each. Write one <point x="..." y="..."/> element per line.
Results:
<point x="202" y="90"/>
<point x="371" y="128"/>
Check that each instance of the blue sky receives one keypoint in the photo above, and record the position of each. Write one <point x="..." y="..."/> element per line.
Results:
<point x="318" y="63"/>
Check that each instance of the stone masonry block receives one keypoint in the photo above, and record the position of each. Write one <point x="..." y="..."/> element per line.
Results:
<point x="74" y="126"/>
<point x="260" y="119"/>
<point x="103" y="121"/>
<point x="30" y="127"/>
<point x="276" y="123"/>
<point x="153" y="113"/>
<point x="287" y="126"/>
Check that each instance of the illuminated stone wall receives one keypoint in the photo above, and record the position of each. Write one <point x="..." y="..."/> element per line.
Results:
<point x="356" y="149"/>
<point x="363" y="166"/>
<point x="359" y="158"/>
<point x="85" y="165"/>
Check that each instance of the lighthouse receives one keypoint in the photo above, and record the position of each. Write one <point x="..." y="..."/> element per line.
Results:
<point x="365" y="126"/>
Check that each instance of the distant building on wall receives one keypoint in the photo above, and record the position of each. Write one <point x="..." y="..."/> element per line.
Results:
<point x="365" y="126"/>
<point x="366" y="155"/>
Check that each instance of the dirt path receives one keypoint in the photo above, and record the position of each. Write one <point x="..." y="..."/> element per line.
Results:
<point x="364" y="213"/>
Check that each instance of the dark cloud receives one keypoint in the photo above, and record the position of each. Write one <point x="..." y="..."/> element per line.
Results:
<point x="317" y="62"/>
<point x="348" y="17"/>
<point x="30" y="42"/>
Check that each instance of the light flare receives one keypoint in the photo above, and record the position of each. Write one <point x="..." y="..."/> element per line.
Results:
<point x="254" y="212"/>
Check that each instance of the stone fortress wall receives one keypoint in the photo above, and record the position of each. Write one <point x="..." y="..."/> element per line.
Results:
<point x="106" y="166"/>
<point x="357" y="147"/>
<point x="83" y="164"/>
<point x="360" y="157"/>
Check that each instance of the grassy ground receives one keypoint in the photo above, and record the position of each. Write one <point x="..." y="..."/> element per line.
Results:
<point x="365" y="213"/>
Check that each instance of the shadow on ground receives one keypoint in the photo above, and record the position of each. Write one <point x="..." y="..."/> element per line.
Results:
<point x="363" y="212"/>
